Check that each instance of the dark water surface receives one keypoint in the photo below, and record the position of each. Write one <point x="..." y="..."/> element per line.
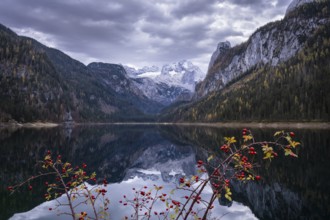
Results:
<point x="134" y="156"/>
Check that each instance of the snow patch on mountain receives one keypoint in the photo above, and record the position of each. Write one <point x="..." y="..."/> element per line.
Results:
<point x="166" y="161"/>
<point x="135" y="72"/>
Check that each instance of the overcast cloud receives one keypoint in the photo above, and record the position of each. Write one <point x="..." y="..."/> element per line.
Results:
<point x="139" y="32"/>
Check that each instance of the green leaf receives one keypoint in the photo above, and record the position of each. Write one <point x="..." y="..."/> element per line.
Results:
<point x="230" y="140"/>
<point x="268" y="155"/>
<point x="278" y="133"/>
<point x="228" y="197"/>
<point x="247" y="137"/>
<point x="210" y="158"/>
<point x="173" y="216"/>
<point x="294" y="144"/>
<point x="288" y="138"/>
<point x="268" y="152"/>
<point x="288" y="152"/>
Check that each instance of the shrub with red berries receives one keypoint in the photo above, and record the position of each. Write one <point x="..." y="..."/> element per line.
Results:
<point x="238" y="163"/>
<point x="71" y="182"/>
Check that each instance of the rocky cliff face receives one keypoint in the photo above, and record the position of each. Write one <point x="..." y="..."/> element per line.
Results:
<point x="271" y="44"/>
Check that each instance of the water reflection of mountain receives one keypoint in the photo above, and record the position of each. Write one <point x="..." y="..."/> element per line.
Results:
<point x="291" y="188"/>
<point x="298" y="189"/>
<point x="110" y="151"/>
<point x="171" y="161"/>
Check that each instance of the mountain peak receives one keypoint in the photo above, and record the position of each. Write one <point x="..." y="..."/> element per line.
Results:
<point x="221" y="48"/>
<point x="295" y="4"/>
<point x="182" y="73"/>
<point x="223" y="45"/>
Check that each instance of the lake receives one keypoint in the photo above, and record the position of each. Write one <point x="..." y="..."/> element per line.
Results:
<point x="135" y="156"/>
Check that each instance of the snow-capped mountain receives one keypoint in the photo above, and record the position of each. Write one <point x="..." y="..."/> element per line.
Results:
<point x="182" y="73"/>
<point x="173" y="82"/>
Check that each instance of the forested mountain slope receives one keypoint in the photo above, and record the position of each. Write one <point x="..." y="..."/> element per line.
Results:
<point x="293" y="90"/>
<point x="41" y="83"/>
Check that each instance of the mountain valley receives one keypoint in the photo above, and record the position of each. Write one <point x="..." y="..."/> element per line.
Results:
<point x="281" y="73"/>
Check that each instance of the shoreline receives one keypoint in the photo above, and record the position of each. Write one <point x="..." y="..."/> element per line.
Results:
<point x="277" y="125"/>
<point x="29" y="125"/>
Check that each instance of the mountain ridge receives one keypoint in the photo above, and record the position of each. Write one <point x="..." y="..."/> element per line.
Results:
<point x="39" y="83"/>
<point x="294" y="89"/>
<point x="272" y="43"/>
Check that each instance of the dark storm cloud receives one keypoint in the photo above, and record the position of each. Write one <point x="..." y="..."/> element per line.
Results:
<point x="138" y="32"/>
<point x="249" y="2"/>
<point x="262" y="6"/>
<point x="71" y="20"/>
<point x="282" y="3"/>
<point x="193" y="7"/>
<point x="183" y="30"/>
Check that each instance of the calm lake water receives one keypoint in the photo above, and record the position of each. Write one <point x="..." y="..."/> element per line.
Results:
<point x="137" y="156"/>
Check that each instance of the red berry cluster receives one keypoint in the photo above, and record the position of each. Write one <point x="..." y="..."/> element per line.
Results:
<point x="225" y="148"/>
<point x="216" y="185"/>
<point x="252" y="151"/>
<point x="82" y="215"/>
<point x="240" y="176"/>
<point x="227" y="181"/>
<point x="200" y="163"/>
<point x="244" y="131"/>
<point x="182" y="180"/>
<point x="216" y="172"/>
<point x="176" y="203"/>
<point x="144" y="200"/>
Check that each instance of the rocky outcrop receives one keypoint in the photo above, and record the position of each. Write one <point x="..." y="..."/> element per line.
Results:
<point x="221" y="48"/>
<point x="295" y="4"/>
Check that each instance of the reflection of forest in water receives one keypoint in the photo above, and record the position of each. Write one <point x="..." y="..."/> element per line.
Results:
<point x="291" y="188"/>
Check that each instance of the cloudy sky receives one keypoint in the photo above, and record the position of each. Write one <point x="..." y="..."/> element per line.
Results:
<point x="139" y="32"/>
